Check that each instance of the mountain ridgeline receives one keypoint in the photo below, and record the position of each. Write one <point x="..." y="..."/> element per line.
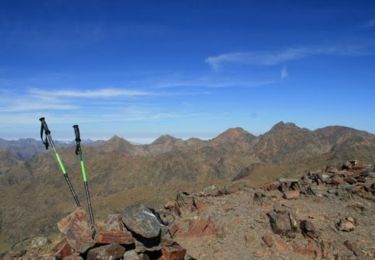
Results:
<point x="122" y="173"/>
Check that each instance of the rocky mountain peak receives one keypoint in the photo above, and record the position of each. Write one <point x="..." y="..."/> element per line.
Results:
<point x="284" y="127"/>
<point x="166" y="139"/>
<point x="233" y="135"/>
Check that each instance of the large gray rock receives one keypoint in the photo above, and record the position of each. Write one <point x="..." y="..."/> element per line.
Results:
<point x="141" y="221"/>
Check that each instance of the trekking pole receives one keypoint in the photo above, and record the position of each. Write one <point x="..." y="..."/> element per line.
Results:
<point x="49" y="142"/>
<point x="83" y="170"/>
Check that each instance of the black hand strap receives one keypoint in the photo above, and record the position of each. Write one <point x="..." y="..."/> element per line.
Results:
<point x="78" y="139"/>
<point x="44" y="129"/>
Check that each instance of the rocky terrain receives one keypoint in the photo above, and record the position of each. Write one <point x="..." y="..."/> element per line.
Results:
<point x="35" y="197"/>
<point x="325" y="214"/>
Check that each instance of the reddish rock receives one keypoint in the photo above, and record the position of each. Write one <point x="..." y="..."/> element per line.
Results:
<point x="77" y="230"/>
<point x="293" y="194"/>
<point x="267" y="239"/>
<point x="307" y="250"/>
<point x="170" y="204"/>
<point x="62" y="249"/>
<point x="174" y="230"/>
<point x="114" y="223"/>
<point x="271" y="186"/>
<point x="281" y="246"/>
<point x="173" y="252"/>
<point x="113" y="251"/>
<point x="199" y="205"/>
<point x="201" y="227"/>
<point x="114" y="237"/>
<point x="337" y="180"/>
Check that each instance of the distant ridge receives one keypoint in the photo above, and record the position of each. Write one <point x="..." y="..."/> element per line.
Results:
<point x="121" y="172"/>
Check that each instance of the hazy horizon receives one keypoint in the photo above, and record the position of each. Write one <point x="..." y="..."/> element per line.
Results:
<point x="148" y="139"/>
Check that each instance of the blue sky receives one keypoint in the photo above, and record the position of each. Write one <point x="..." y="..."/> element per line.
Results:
<point x="139" y="69"/>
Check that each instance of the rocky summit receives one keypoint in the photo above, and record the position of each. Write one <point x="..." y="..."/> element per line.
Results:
<point x="324" y="214"/>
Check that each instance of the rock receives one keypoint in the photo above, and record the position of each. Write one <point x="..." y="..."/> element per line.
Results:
<point x="331" y="169"/>
<point x="131" y="255"/>
<point x="308" y="229"/>
<point x="361" y="179"/>
<point x="282" y="246"/>
<point x="14" y="255"/>
<point x="309" y="249"/>
<point x="166" y="217"/>
<point x="270" y="186"/>
<point x="173" y="252"/>
<point x="350" y="180"/>
<point x="174" y="229"/>
<point x="113" y="251"/>
<point x="170" y="204"/>
<point x="283" y="222"/>
<point x="371" y="175"/>
<point x="268" y="240"/>
<point x="337" y="180"/>
<point x="293" y="194"/>
<point x="324" y="177"/>
<point x="75" y="256"/>
<point x="77" y="230"/>
<point x="201" y="227"/>
<point x="347" y="165"/>
<point x="350" y="219"/>
<point x="62" y="249"/>
<point x="358" y="206"/>
<point x="114" y="237"/>
<point x="354" y="248"/>
<point x="199" y="205"/>
<point x="259" y="198"/>
<point x="114" y="223"/>
<point x="38" y="242"/>
<point x="213" y="191"/>
<point x="345" y="225"/>
<point x="142" y="221"/>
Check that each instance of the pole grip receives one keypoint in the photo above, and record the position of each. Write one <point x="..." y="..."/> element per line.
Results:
<point x="44" y="125"/>
<point x="76" y="132"/>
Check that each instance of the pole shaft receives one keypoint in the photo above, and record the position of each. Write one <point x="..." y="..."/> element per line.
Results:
<point x="88" y="197"/>
<point x="75" y="197"/>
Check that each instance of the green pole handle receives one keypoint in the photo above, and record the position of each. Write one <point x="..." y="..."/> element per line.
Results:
<point x="83" y="169"/>
<point x="61" y="164"/>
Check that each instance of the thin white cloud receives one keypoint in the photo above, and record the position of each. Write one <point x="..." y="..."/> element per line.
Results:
<point x="210" y="83"/>
<point x="270" y="58"/>
<point x="284" y="73"/>
<point x="35" y="106"/>
<point x="97" y="93"/>
<point x="369" y="24"/>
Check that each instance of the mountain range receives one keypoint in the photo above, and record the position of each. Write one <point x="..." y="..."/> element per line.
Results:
<point x="35" y="196"/>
